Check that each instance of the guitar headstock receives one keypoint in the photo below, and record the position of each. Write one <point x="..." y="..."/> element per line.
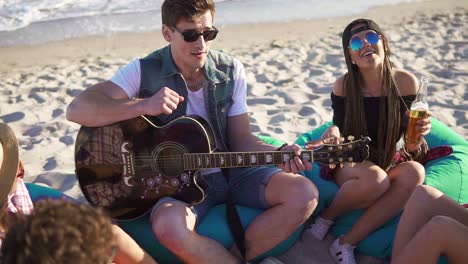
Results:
<point x="351" y="151"/>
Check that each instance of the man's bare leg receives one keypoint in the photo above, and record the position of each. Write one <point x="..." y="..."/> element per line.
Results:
<point x="173" y="224"/>
<point x="293" y="198"/>
<point x="128" y="251"/>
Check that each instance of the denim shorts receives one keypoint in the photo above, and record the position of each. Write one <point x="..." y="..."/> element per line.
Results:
<point x="247" y="187"/>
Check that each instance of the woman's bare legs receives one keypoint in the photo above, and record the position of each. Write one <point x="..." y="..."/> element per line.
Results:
<point x="367" y="185"/>
<point x="404" y="179"/>
<point x="360" y="186"/>
<point x="428" y="207"/>
<point x="442" y="235"/>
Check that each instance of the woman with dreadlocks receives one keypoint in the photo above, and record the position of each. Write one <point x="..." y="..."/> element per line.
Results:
<point x="371" y="99"/>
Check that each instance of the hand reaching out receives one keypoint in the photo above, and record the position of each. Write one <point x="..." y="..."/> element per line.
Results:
<point x="330" y="136"/>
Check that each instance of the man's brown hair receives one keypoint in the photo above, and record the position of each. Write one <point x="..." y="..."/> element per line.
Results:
<point x="60" y="231"/>
<point x="174" y="10"/>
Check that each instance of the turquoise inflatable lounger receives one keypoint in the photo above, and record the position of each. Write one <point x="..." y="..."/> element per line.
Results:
<point x="448" y="174"/>
<point x="39" y="192"/>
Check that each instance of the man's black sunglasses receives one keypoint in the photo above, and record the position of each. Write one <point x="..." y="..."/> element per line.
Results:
<point x="192" y="35"/>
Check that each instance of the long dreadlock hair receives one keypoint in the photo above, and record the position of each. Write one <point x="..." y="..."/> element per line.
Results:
<point x="381" y="153"/>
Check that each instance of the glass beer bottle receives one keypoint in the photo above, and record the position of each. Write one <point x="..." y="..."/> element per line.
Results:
<point x="418" y="111"/>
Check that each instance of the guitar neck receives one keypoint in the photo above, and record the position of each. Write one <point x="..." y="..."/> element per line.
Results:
<point x="193" y="161"/>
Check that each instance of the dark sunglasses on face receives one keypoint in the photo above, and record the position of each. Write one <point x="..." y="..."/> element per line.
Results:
<point x="357" y="43"/>
<point x="192" y="35"/>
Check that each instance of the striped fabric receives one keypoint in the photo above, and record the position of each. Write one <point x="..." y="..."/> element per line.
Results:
<point x="19" y="201"/>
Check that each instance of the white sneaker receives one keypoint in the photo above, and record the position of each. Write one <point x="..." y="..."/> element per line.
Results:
<point x="342" y="253"/>
<point x="320" y="228"/>
<point x="271" y="260"/>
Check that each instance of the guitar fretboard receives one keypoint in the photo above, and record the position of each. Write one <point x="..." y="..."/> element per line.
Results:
<point x="194" y="161"/>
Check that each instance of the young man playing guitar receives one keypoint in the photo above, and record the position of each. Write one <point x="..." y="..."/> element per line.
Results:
<point x="187" y="78"/>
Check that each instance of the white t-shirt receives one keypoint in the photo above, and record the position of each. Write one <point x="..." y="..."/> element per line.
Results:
<point x="129" y="78"/>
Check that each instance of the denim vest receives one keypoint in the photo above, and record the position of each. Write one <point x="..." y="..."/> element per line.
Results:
<point x="158" y="70"/>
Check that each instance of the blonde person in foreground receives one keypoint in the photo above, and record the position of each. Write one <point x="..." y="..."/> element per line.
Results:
<point x="15" y="204"/>
<point x="431" y="226"/>
<point x="188" y="78"/>
<point x="371" y="99"/>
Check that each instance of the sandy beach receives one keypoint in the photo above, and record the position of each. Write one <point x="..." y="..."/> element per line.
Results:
<point x="290" y="68"/>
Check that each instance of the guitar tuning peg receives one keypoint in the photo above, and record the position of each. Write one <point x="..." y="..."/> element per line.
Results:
<point x="341" y="139"/>
<point x="350" y="138"/>
<point x="332" y="166"/>
<point x="352" y="164"/>
<point x="341" y="165"/>
<point x="350" y="158"/>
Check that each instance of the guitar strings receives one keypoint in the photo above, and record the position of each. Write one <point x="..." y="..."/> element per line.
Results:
<point x="259" y="153"/>
<point x="142" y="159"/>
<point x="233" y="153"/>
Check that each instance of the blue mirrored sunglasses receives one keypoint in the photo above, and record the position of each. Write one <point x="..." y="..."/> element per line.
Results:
<point x="357" y="43"/>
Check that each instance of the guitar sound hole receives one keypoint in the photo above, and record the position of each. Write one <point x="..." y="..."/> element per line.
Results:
<point x="170" y="161"/>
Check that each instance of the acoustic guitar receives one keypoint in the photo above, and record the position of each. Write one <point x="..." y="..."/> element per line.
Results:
<point x="128" y="166"/>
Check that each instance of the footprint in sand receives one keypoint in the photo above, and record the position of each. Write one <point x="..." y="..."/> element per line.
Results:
<point x="13" y="117"/>
<point x="57" y="112"/>
<point x="50" y="165"/>
<point x="67" y="140"/>
<point x="33" y="131"/>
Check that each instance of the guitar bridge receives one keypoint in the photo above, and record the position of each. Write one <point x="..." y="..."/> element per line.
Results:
<point x="127" y="163"/>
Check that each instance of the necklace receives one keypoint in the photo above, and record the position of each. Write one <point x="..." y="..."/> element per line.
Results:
<point x="401" y="98"/>
<point x="195" y="86"/>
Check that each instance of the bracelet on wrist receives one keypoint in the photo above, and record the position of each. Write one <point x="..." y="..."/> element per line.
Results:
<point x="413" y="154"/>
<point x="281" y="147"/>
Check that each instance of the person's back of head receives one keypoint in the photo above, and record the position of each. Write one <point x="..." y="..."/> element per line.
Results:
<point x="174" y="10"/>
<point x="60" y="231"/>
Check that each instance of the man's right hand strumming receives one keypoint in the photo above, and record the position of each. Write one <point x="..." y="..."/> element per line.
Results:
<point x="163" y="102"/>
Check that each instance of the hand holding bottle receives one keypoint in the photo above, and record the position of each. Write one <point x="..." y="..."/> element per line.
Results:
<point x="419" y="123"/>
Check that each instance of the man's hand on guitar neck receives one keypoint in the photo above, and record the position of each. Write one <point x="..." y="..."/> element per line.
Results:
<point x="164" y="101"/>
<point x="296" y="164"/>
